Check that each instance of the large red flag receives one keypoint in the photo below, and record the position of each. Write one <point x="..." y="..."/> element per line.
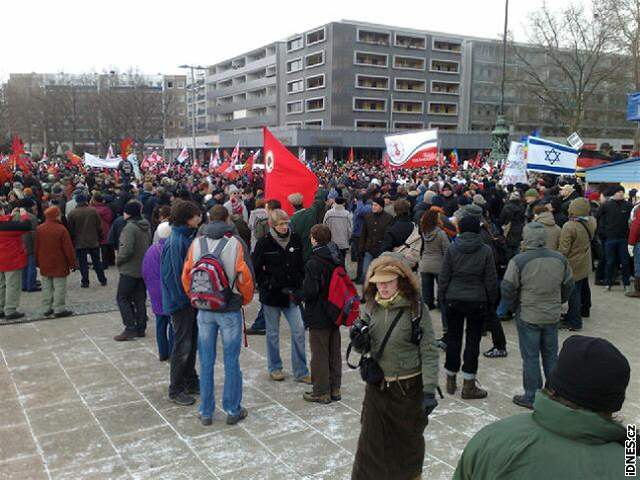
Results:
<point x="285" y="174"/>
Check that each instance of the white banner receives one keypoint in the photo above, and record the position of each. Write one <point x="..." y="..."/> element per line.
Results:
<point x="515" y="167"/>
<point x="413" y="150"/>
<point x="551" y="157"/>
<point x="97" y="162"/>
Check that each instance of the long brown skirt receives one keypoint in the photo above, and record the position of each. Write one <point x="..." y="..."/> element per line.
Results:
<point x="391" y="445"/>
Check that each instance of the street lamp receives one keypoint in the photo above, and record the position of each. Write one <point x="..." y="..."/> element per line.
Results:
<point x="500" y="134"/>
<point x="193" y="68"/>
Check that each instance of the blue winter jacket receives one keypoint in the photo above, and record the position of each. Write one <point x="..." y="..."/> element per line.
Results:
<point x="174" y="252"/>
<point x="358" y="216"/>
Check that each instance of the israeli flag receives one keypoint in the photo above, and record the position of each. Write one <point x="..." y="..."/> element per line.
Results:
<point x="550" y="157"/>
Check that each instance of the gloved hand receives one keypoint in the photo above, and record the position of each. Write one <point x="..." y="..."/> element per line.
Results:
<point x="429" y="402"/>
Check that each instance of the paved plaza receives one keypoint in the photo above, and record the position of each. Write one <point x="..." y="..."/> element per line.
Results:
<point x="77" y="405"/>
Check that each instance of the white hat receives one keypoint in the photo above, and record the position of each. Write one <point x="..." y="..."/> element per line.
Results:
<point x="164" y="230"/>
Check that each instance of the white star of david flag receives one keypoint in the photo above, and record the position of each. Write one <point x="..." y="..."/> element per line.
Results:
<point x="550" y="157"/>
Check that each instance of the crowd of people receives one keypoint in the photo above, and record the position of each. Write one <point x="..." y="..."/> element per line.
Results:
<point x="457" y="242"/>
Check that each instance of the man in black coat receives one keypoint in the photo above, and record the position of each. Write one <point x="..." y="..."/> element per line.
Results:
<point x="400" y="229"/>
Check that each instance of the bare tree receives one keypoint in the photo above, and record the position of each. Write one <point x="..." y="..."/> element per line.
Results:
<point x="569" y="60"/>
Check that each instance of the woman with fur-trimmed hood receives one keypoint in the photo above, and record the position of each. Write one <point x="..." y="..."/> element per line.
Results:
<point x="395" y="411"/>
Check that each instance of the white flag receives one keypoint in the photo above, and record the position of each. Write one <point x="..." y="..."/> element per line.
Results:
<point x="551" y="157"/>
<point x="184" y="154"/>
<point x="110" y="154"/>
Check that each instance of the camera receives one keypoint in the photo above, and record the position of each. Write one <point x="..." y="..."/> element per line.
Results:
<point x="359" y="335"/>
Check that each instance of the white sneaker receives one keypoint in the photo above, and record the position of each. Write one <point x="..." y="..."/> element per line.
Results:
<point x="627" y="289"/>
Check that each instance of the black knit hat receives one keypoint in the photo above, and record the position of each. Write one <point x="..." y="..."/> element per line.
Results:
<point x="379" y="201"/>
<point x="133" y="208"/>
<point x="592" y="373"/>
<point x="469" y="223"/>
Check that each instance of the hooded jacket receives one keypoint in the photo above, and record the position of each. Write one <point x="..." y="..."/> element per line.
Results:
<point x="553" y="230"/>
<point x="338" y="219"/>
<point x="538" y="281"/>
<point x="317" y="276"/>
<point x="576" y="236"/>
<point x="468" y="272"/>
<point x="553" y="442"/>
<point x="106" y="217"/>
<point x="174" y="252"/>
<point x="13" y="255"/>
<point x="152" y="275"/>
<point x="134" y="242"/>
<point x="55" y="255"/>
<point x="374" y="227"/>
<point x="435" y="244"/>
<point x="235" y="260"/>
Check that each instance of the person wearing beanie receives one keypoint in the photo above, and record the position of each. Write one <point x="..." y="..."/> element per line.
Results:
<point x="85" y="227"/>
<point x="55" y="257"/>
<point x="536" y="284"/>
<point x="572" y="419"/>
<point x="532" y="200"/>
<point x="305" y="218"/>
<point x="468" y="286"/>
<point x="374" y="227"/>
<point x="131" y="295"/>
<point x="153" y="282"/>
<point x="235" y="205"/>
<point x="575" y="244"/>
<point x="423" y="206"/>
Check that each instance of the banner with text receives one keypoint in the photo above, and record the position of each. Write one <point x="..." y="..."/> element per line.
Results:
<point x="515" y="168"/>
<point x="413" y="150"/>
<point x="97" y="162"/>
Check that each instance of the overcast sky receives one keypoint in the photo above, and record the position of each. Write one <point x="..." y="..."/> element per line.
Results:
<point x="155" y="36"/>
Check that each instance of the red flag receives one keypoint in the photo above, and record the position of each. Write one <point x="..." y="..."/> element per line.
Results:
<point x="285" y="174"/>
<point x="351" y="157"/>
<point x="73" y="158"/>
<point x="126" y="147"/>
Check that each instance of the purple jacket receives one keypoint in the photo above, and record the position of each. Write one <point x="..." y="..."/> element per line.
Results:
<point x="152" y="277"/>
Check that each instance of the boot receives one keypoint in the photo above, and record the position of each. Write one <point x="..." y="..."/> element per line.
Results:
<point x="636" y="292"/>
<point x="312" y="397"/>
<point x="451" y="384"/>
<point x="470" y="390"/>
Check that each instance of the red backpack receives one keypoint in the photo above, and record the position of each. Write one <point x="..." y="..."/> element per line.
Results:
<point x="210" y="289"/>
<point x="343" y="302"/>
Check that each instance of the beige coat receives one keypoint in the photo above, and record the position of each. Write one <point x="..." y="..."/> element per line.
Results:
<point x="575" y="241"/>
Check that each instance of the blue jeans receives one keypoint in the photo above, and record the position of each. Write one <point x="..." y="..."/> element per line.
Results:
<point x="636" y="260"/>
<point x="574" y="315"/>
<point x="298" y="355"/>
<point x="164" y="336"/>
<point x="536" y="340"/>
<point x="229" y="324"/>
<point x="29" y="274"/>
<point x="367" y="259"/>
<point x="616" y="253"/>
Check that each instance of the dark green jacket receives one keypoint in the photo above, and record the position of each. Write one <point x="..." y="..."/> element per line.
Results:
<point x="554" y="442"/>
<point x="134" y="242"/>
<point x="303" y="220"/>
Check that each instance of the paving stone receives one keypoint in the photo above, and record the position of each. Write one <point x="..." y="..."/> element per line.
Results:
<point x="108" y="469"/>
<point x="31" y="468"/>
<point x="128" y="418"/>
<point x="72" y="449"/>
<point x="17" y="443"/>
<point x="57" y="418"/>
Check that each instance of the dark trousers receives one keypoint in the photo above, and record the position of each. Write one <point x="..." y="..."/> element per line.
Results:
<point x="326" y="360"/>
<point x="82" y="253"/>
<point x="495" y="327"/>
<point x="475" y="314"/>
<point x="108" y="256"/>
<point x="585" y="298"/>
<point x="354" y="248"/>
<point x="183" y="355"/>
<point x="164" y="336"/>
<point x="616" y="253"/>
<point x="259" y="323"/>
<point x="132" y="303"/>
<point x="574" y="314"/>
<point x="428" y="295"/>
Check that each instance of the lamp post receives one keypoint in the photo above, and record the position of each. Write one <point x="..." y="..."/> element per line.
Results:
<point x="500" y="133"/>
<point x="193" y="68"/>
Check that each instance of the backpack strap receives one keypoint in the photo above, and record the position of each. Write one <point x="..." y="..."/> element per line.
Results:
<point x="586" y="228"/>
<point x="220" y="246"/>
<point x="378" y="354"/>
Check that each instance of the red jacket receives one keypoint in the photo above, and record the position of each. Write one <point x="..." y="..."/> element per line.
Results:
<point x="13" y="256"/>
<point x="55" y="255"/>
<point x="634" y="230"/>
<point x="106" y="216"/>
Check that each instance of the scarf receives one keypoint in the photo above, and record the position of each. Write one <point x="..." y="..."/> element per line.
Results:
<point x="282" y="240"/>
<point x="236" y="206"/>
<point x="386" y="303"/>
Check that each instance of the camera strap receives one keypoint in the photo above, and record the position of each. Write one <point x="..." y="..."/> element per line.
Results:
<point x="380" y="351"/>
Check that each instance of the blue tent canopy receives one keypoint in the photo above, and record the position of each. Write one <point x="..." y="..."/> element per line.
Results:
<point x="627" y="171"/>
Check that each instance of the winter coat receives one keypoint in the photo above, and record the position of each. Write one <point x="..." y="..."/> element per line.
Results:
<point x="361" y="210"/>
<point x="435" y="244"/>
<point x="152" y="276"/>
<point x="450" y="205"/>
<point x="538" y="281"/>
<point x="134" y="242"/>
<point x="634" y="230"/>
<point x="397" y="233"/>
<point x="13" y="256"/>
<point x="174" y="252"/>
<point x="277" y="268"/>
<point x="85" y="227"/>
<point x="115" y="231"/>
<point x="106" y="217"/>
<point x="373" y="229"/>
<point x="317" y="276"/>
<point x="29" y="238"/>
<point x="512" y="220"/>
<point x="553" y="230"/>
<point x="55" y="255"/>
<point x="257" y="215"/>
<point x="553" y="442"/>
<point x="468" y="272"/>
<point x="402" y="357"/>
<point x="614" y="219"/>
<point x="242" y="228"/>
<point x="419" y="211"/>
<point x="563" y="215"/>
<point x="303" y="220"/>
<point x="576" y="236"/>
<point x="338" y="219"/>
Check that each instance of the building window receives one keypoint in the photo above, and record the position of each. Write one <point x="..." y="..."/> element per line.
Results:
<point x="294" y="65"/>
<point x="445" y="88"/>
<point x="408" y="125"/>
<point x="316" y="36"/>
<point x="370" y="124"/>
<point x="408" y="63"/>
<point x="315" y="104"/>
<point x="370" y="59"/>
<point x="315" y="82"/>
<point x="410" y="41"/>
<point x="169" y="84"/>
<point x="181" y="123"/>
<point x="369" y="105"/>
<point x="314" y="59"/>
<point x="374" y="38"/>
<point x="446" y="46"/>
<point x="445" y="66"/>
<point x="444" y="126"/>
<point x="294" y="124"/>
<point x="180" y="84"/>
<point x="295" y="44"/>
<point x="295" y="86"/>
<point x="441" y="108"/>
<point x="407" y="106"/>
<point x="410" y="85"/>
<point x="314" y="123"/>
<point x="295" y="107"/>
<point x="372" y="82"/>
